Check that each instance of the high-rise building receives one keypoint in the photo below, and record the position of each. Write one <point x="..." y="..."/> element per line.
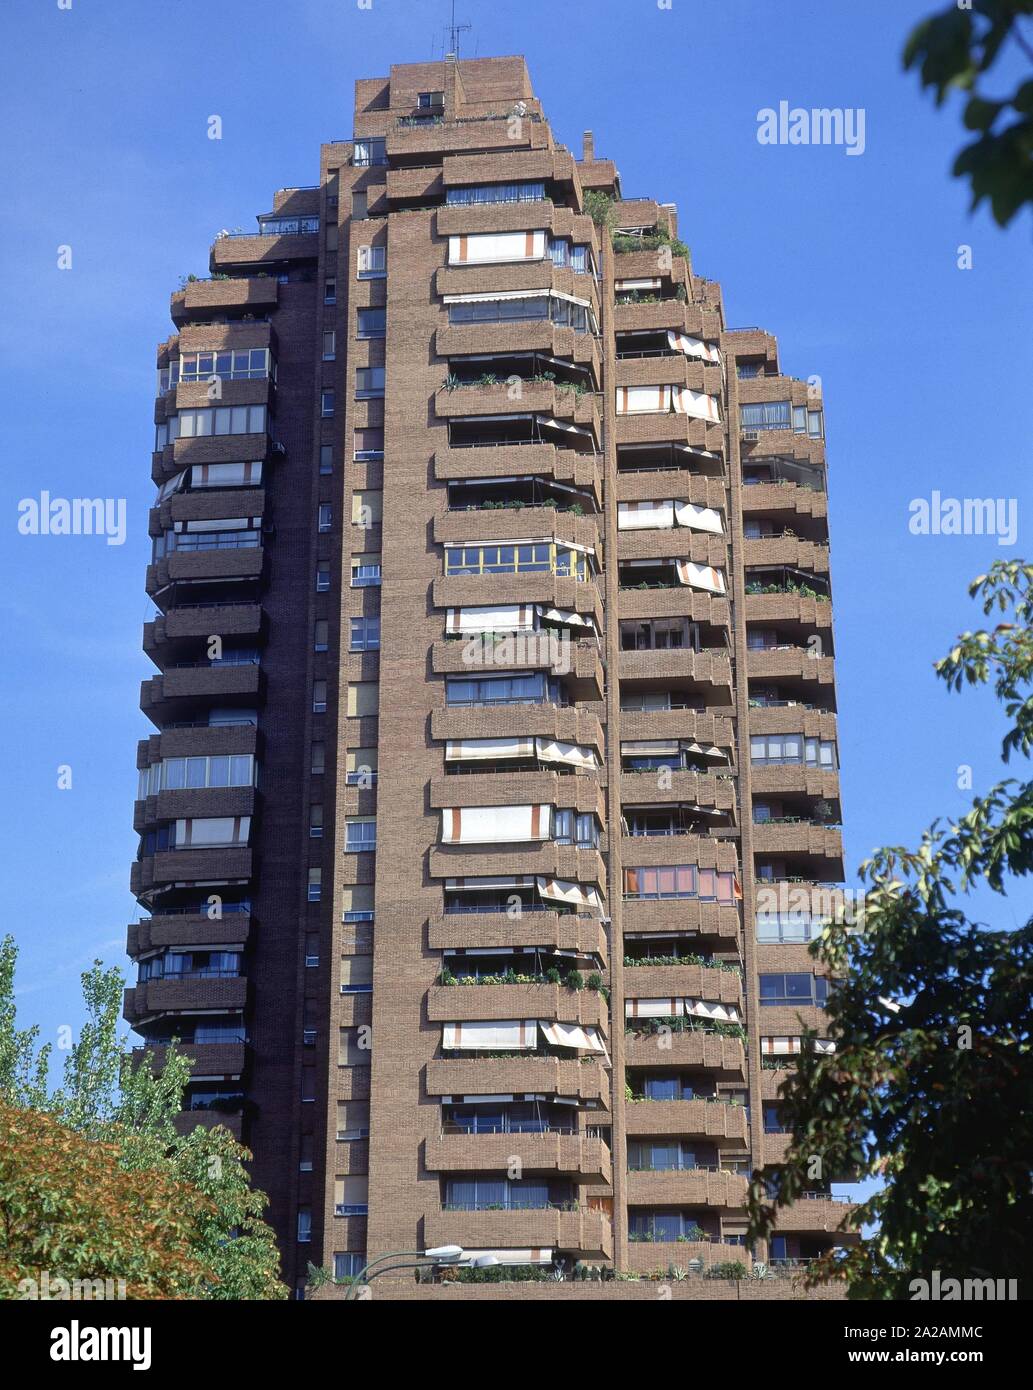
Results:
<point x="494" y="796"/>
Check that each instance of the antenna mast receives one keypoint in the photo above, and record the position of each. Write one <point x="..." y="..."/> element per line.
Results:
<point x="454" y="30"/>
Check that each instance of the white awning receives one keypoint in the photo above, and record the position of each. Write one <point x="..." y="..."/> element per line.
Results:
<point x="505" y="1035"/>
<point x="510" y="617"/>
<point x="705" y="577"/>
<point x="514" y="294"/>
<point x="575" y="894"/>
<point x="706" y="750"/>
<point x="509" y="1257"/>
<point x="551" y="751"/>
<point x="226" y="523"/>
<point x="680" y="1008"/>
<point x="695" y="403"/>
<point x="547" y="422"/>
<point x="572" y="1035"/>
<point x="649" y="748"/>
<point x="693" y="347"/>
<point x="564" y="616"/>
<point x="488" y="749"/>
<point x="633" y="400"/>
<point x="781" y="1047"/>
<point x="698" y="518"/>
<point x="479" y="248"/>
<point x="483" y="883"/>
<point x="486" y="825"/>
<point x="653" y="283"/>
<point x="638" y="516"/>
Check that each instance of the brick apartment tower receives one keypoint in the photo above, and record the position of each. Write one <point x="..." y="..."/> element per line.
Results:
<point x="494" y="644"/>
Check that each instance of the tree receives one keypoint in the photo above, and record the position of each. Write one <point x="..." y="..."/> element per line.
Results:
<point x="953" y="50"/>
<point x="69" y="1210"/>
<point x="930" y="1088"/>
<point x="105" y="1098"/>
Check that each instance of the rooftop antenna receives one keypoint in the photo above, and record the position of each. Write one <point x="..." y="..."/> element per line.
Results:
<point x="454" y="30"/>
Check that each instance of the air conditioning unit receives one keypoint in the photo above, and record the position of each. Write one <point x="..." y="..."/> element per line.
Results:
<point x="751" y="436"/>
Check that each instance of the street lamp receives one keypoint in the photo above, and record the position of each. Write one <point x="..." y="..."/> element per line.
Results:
<point x="410" y="1259"/>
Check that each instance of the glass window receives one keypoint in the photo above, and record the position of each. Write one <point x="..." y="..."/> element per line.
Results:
<point x="322" y="576"/>
<point x="360" y="835"/>
<point x="326" y="516"/>
<point x="369" y="151"/>
<point x="330" y="292"/>
<point x="326" y="404"/>
<point x="326" y="458"/>
<point x="365" y="634"/>
<point x="372" y="262"/>
<point x="329" y="345"/>
<point x="372" y="323"/>
<point x="369" y="382"/>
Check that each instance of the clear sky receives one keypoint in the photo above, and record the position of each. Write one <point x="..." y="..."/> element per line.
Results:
<point x="852" y="261"/>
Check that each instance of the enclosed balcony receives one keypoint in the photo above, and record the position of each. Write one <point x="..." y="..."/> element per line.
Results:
<point x="187" y="994"/>
<point x="716" y="1119"/>
<point x="584" y="1234"/>
<point x="224" y="296"/>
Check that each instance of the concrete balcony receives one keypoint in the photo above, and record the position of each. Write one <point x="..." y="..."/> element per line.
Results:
<point x="571" y="724"/>
<point x="649" y="1257"/>
<point x="164" y="698"/>
<point x="531" y="335"/>
<point x="550" y="590"/>
<point x="482" y="1003"/>
<point x="519" y="1075"/>
<point x="711" y="668"/>
<point x="515" y="523"/>
<point x="699" y="788"/>
<point x="770" y="609"/>
<point x="689" y="1118"/>
<point x="581" y="791"/>
<point x="683" y="981"/>
<point x="210" y="565"/>
<point x="579" y="663"/>
<point x="190" y="866"/>
<point x="784" y="497"/>
<point x="794" y="662"/>
<point x="186" y="625"/>
<point x="711" y="727"/>
<point x="233" y="297"/>
<point x="235" y="251"/>
<point x="787" y="550"/>
<point x="814" y="1216"/>
<point x="722" y="1055"/>
<point x="793" y="719"/>
<point x="660" y="428"/>
<point x="672" y="369"/>
<point x="560" y="931"/>
<point x="189" y="1120"/>
<point x="673" y="543"/>
<point x="193" y="802"/>
<point x="195" y="995"/>
<point x="408" y="143"/>
<point x="672" y="484"/>
<point x="504" y="460"/>
<point x="205" y="741"/>
<point x="585" y="1234"/>
<point x="678" y="602"/>
<point x="540" y="164"/>
<point x="642" y="851"/>
<point x="540" y="398"/>
<point x="753" y="342"/>
<point x="794" y="778"/>
<point x="540" y="275"/>
<point x="419" y="185"/>
<point x="226" y="1061"/>
<point x="798" y="838"/>
<point x="546" y="858"/>
<point x="179" y="929"/>
<point x="695" y="320"/>
<point x="686" y="916"/>
<point x="695" y="1187"/>
<point x="585" y="1159"/>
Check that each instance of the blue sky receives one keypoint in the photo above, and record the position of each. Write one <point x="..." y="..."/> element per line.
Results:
<point x="851" y="261"/>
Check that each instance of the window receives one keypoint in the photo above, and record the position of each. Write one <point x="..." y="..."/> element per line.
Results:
<point x="304" y="1224"/>
<point x="315" y="821"/>
<point x="287" y="226"/>
<point x="356" y="974"/>
<point x="319" y="697"/>
<point x="365" y="635"/>
<point x="495" y="193"/>
<point x="681" y="881"/>
<point x="212" y="420"/>
<point x="372" y="262"/>
<point x="318" y="763"/>
<point x="794" y="989"/>
<point x="322" y="576"/>
<point x="348" y="1264"/>
<point x="773" y="1120"/>
<point x="315" y="885"/>
<point x="365" y="571"/>
<point x="357" y="905"/>
<point x="306" y="1153"/>
<point x="330" y="292"/>
<point x="429" y="101"/>
<point x="331" y="237"/>
<point x="746" y="370"/>
<point x="351" y="1195"/>
<point x="368" y="444"/>
<point x="541" y="557"/>
<point x="572" y="828"/>
<point x="372" y="323"/>
<point x="766" y="415"/>
<point x="369" y="383"/>
<point x="326" y="516"/>
<point x="531" y="688"/>
<point x="793" y="748"/>
<point x="363" y="699"/>
<point x="311" y="949"/>
<point x="369" y="151"/>
<point x="352" y="1119"/>
<point x="183" y="774"/>
<point x="326" y="458"/>
<point x="360" y="767"/>
<point x="192" y="541"/>
<point x="326" y="404"/>
<point x="350" y="1051"/>
<point x="321" y="635"/>
<point x="564" y="312"/>
<point x="360" y="204"/>
<point x="360" y="834"/>
<point x="242" y="364"/>
<point x="329" y="345"/>
<point x="367" y="507"/>
<point x="787" y="927"/>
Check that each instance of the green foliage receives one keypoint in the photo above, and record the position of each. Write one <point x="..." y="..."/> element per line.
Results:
<point x="952" y="51"/>
<point x="105" y="1099"/>
<point x="601" y="208"/>
<point x="931" y="1085"/>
